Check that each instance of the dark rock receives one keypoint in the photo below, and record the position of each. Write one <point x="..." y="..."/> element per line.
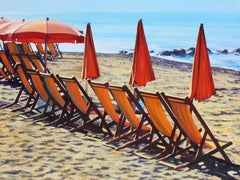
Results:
<point x="190" y="51"/>
<point x="179" y="52"/>
<point x="209" y="51"/>
<point x="223" y="51"/>
<point x="236" y="51"/>
<point x="165" y="53"/>
<point x="123" y="52"/>
<point x="130" y="54"/>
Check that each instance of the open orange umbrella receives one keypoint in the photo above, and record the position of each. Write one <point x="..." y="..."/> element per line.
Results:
<point x="7" y="29"/>
<point x="3" y="20"/>
<point x="40" y="31"/>
<point x="202" y="86"/>
<point x="90" y="65"/>
<point x="142" y="71"/>
<point x="47" y="31"/>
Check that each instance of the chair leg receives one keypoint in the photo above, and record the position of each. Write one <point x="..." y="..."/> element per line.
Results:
<point x="28" y="104"/>
<point x="15" y="101"/>
<point x="115" y="139"/>
<point x="133" y="141"/>
<point x="210" y="153"/>
<point x="153" y="143"/>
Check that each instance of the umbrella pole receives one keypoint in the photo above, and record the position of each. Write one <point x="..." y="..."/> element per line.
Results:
<point x="86" y="85"/>
<point x="45" y="57"/>
<point x="86" y="89"/>
<point x="135" y="96"/>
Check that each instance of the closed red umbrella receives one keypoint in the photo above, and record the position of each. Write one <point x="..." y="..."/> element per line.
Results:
<point x="90" y="65"/>
<point x="142" y="71"/>
<point x="202" y="86"/>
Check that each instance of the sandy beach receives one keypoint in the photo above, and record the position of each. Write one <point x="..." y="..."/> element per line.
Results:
<point x="34" y="151"/>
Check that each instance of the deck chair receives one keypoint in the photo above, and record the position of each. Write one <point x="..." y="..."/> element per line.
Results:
<point x="40" y="49"/>
<point x="52" y="51"/>
<point x="34" y="75"/>
<point x="8" y="67"/>
<point x="15" y="58"/>
<point x="57" y="94"/>
<point x="12" y="48"/>
<point x="27" y="49"/>
<point x="141" y="125"/>
<point x="33" y="62"/>
<point x="103" y="95"/>
<point x="164" y="122"/>
<point x="93" y="119"/>
<point x="24" y="59"/>
<point x="58" y="50"/>
<point x="3" y="74"/>
<point x="46" y="109"/>
<point x="30" y="96"/>
<point x="203" y="144"/>
<point x="38" y="63"/>
<point x="33" y="72"/>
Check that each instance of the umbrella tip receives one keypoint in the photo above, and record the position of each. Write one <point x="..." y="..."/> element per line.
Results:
<point x="47" y="18"/>
<point x="2" y="18"/>
<point x="201" y="24"/>
<point x="23" y="20"/>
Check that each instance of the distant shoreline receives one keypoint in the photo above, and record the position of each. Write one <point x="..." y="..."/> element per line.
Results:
<point x="162" y="61"/>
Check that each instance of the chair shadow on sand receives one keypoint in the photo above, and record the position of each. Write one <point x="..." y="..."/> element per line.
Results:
<point x="217" y="168"/>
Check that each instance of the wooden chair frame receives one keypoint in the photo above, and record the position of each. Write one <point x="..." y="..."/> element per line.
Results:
<point x="110" y="109"/>
<point x="166" y="125"/>
<point x="30" y="95"/>
<point x="199" y="147"/>
<point x="142" y="128"/>
<point x="84" y="105"/>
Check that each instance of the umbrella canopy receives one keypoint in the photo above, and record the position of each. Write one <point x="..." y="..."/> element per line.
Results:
<point x="2" y="20"/>
<point x="47" y="31"/>
<point x="42" y="31"/>
<point x="8" y="28"/>
<point x="90" y="65"/>
<point x="142" y="71"/>
<point x="202" y="86"/>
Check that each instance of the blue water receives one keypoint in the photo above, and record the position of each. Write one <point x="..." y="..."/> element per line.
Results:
<point x="115" y="31"/>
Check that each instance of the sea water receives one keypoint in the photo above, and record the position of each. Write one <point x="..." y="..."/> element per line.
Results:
<point x="116" y="31"/>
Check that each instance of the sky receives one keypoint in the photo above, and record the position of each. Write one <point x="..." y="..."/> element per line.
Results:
<point x="45" y="7"/>
<point x="54" y="9"/>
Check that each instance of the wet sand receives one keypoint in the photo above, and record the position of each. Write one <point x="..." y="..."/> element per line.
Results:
<point x="34" y="151"/>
